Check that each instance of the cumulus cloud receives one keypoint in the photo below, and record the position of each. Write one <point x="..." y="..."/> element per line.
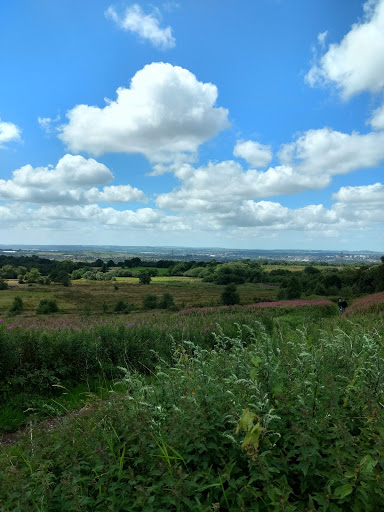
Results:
<point x="254" y="153"/>
<point x="67" y="183"/>
<point x="307" y="164"/>
<point x="8" y="132"/>
<point x="326" y="152"/>
<point x="219" y="186"/>
<point x="85" y="217"/>
<point x="147" y="26"/>
<point x="165" y="112"/>
<point x="366" y="195"/>
<point x="355" y="64"/>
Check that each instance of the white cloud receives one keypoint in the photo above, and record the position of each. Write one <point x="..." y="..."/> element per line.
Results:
<point x="8" y="132"/>
<point x="165" y="112"/>
<point x="256" y="154"/>
<point x="365" y="195"/>
<point x="377" y="119"/>
<point x="326" y="152"/>
<point x="147" y="26"/>
<point x="68" y="183"/>
<point x="47" y="123"/>
<point x="219" y="186"/>
<point x="86" y="217"/>
<point x="307" y="164"/>
<point x="356" y="64"/>
<point x="322" y="37"/>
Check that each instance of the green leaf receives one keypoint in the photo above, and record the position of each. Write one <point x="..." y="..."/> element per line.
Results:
<point x="343" y="490"/>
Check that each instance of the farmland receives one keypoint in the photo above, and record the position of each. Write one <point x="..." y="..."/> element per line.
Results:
<point x="269" y="404"/>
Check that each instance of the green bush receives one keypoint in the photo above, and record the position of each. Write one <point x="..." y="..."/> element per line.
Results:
<point x="17" y="306"/>
<point x="46" y="307"/>
<point x="150" y="301"/>
<point x="3" y="284"/>
<point x="167" y="302"/>
<point x="230" y="296"/>
<point x="123" y="307"/>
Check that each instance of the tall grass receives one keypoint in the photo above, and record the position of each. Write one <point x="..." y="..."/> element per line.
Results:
<point x="282" y="419"/>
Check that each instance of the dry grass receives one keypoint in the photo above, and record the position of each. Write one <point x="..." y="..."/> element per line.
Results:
<point x="95" y="296"/>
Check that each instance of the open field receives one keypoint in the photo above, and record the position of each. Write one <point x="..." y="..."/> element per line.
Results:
<point x="98" y="296"/>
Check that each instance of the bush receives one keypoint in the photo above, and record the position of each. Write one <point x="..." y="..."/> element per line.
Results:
<point x="3" y="284"/>
<point x="229" y="297"/>
<point x="150" y="301"/>
<point x="123" y="307"/>
<point x="46" y="307"/>
<point x="167" y="301"/>
<point x="17" y="306"/>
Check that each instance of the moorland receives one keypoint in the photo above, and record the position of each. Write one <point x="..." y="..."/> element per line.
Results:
<point x="162" y="385"/>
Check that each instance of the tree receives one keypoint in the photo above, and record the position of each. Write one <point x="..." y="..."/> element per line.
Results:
<point x="144" y="277"/>
<point x="229" y="297"/>
<point x="33" y="276"/>
<point x="293" y="289"/>
<point x="3" y="284"/>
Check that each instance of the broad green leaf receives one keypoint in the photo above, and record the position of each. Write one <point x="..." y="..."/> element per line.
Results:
<point x="343" y="490"/>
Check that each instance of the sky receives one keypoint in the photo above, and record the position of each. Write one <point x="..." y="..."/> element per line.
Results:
<point x="250" y="124"/>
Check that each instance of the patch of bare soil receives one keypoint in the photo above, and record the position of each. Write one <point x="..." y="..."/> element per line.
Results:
<point x="10" y="438"/>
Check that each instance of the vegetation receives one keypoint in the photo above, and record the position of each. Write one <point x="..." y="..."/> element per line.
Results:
<point x="256" y="395"/>
<point x="46" y="307"/>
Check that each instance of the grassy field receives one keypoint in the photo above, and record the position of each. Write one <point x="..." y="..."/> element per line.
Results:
<point x="95" y="297"/>
<point x="272" y="407"/>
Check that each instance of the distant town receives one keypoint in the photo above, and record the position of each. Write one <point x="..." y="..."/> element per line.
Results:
<point x="115" y="252"/>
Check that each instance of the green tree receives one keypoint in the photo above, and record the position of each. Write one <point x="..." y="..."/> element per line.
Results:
<point x="144" y="277"/>
<point x="33" y="276"/>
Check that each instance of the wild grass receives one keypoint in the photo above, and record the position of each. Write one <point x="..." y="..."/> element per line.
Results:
<point x="93" y="297"/>
<point x="271" y="415"/>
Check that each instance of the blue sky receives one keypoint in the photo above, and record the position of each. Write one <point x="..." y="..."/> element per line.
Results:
<point x="247" y="124"/>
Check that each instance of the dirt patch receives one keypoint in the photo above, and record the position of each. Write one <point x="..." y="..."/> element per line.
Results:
<point x="10" y="438"/>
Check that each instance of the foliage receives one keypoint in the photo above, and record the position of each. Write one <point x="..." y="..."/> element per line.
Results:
<point x="46" y="307"/>
<point x="17" y="306"/>
<point x="123" y="307"/>
<point x="144" y="277"/>
<point x="287" y="421"/>
<point x="230" y="295"/>
<point x="167" y="302"/>
<point x="150" y="301"/>
<point x="3" y="284"/>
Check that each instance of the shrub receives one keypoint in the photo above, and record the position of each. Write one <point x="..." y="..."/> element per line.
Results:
<point x="122" y="307"/>
<point x="150" y="301"/>
<point x="17" y="306"/>
<point x="229" y="297"/>
<point x="46" y="307"/>
<point x="3" y="284"/>
<point x="167" y="301"/>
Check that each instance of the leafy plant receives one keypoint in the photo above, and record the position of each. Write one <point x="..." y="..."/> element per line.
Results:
<point x="46" y="307"/>
<point x="17" y="306"/>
